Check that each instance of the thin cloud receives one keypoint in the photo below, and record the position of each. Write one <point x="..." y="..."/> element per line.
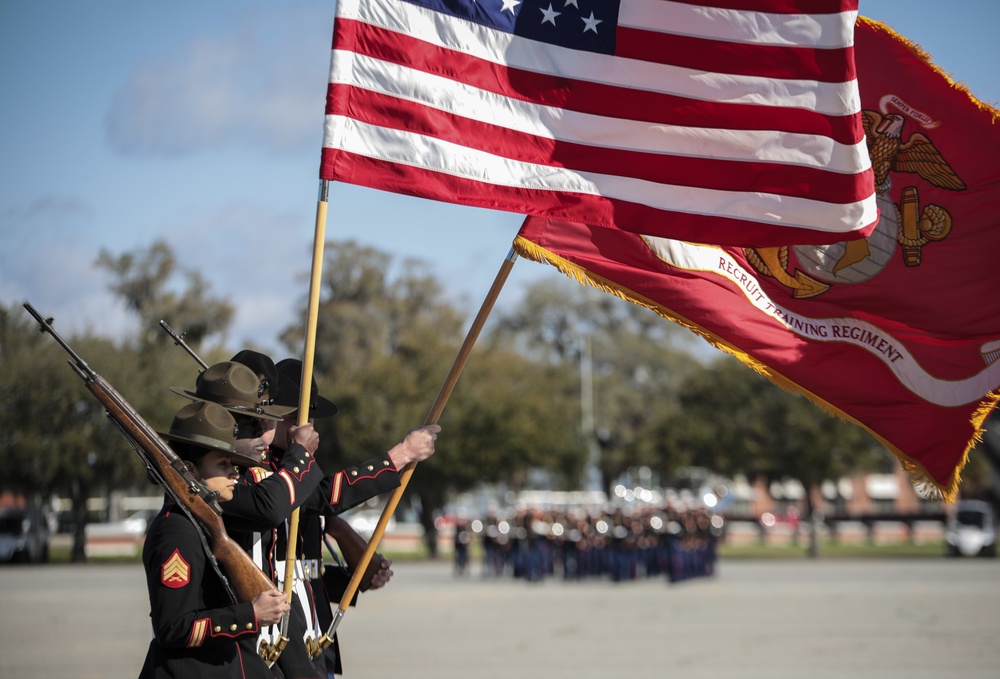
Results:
<point x="242" y="252"/>
<point x="48" y="260"/>
<point x="260" y="86"/>
<point x="249" y="260"/>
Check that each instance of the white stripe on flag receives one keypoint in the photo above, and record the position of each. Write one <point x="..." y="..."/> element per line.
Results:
<point x="416" y="150"/>
<point x="825" y="31"/>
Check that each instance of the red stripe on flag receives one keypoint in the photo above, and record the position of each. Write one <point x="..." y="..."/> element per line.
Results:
<point x="717" y="56"/>
<point x="779" y="6"/>
<point x="711" y="173"/>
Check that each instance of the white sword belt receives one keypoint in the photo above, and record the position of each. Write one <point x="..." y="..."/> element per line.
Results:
<point x="307" y="569"/>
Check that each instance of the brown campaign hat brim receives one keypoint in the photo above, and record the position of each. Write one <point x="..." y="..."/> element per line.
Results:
<point x="269" y="412"/>
<point x="200" y="441"/>
<point x="212" y="444"/>
<point x="206" y="426"/>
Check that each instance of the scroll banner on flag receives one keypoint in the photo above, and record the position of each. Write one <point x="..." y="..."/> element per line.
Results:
<point x="899" y="332"/>
<point x="721" y="122"/>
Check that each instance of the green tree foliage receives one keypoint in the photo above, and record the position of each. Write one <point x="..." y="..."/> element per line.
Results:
<point x="638" y="360"/>
<point x="55" y="432"/>
<point x="981" y="475"/>
<point x="154" y="287"/>
<point x="734" y="421"/>
<point x="387" y="336"/>
<point x="384" y="343"/>
<point x="512" y="415"/>
<point x="55" y="428"/>
<point x="143" y="278"/>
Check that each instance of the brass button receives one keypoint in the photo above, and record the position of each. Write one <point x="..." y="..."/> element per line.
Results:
<point x="232" y="628"/>
<point x="370" y="468"/>
<point x="249" y="625"/>
<point x="307" y="453"/>
<point x="354" y="472"/>
<point x="385" y="463"/>
<point x="217" y="629"/>
<point x="295" y="469"/>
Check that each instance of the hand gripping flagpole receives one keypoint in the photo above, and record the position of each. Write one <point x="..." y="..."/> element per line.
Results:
<point x="432" y="418"/>
<point x="270" y="652"/>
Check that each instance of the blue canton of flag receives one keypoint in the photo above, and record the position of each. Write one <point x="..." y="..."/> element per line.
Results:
<point x="588" y="25"/>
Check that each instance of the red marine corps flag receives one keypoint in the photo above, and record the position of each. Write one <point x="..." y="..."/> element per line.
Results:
<point x="716" y="121"/>
<point x="898" y="332"/>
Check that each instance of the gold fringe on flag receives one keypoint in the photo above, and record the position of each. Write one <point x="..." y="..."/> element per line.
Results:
<point x="922" y="481"/>
<point x="926" y="58"/>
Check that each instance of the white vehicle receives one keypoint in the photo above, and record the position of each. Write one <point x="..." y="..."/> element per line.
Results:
<point x="118" y="538"/>
<point x="364" y="522"/>
<point x="132" y="528"/>
<point x="972" y="531"/>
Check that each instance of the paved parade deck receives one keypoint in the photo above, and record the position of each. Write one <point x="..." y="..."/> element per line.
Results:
<point x="912" y="618"/>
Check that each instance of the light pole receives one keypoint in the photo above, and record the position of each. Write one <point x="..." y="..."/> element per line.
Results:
<point x="592" y="471"/>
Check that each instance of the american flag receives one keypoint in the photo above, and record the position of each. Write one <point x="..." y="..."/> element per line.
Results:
<point x="737" y="123"/>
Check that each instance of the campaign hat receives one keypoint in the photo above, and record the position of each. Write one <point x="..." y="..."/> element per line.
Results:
<point x="206" y="425"/>
<point x="236" y="388"/>
<point x="290" y="376"/>
<point x="263" y="366"/>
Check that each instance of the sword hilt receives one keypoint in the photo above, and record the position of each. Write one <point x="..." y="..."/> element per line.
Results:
<point x="271" y="652"/>
<point x="319" y="645"/>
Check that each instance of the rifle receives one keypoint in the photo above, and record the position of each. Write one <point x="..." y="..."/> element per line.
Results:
<point x="245" y="580"/>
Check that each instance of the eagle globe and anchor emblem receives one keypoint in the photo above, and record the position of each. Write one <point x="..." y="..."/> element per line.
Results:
<point x="907" y="224"/>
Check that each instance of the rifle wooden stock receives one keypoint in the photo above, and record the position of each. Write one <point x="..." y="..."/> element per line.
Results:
<point x="353" y="546"/>
<point x="245" y="578"/>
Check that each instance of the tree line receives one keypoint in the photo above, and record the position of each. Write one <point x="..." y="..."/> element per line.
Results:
<point x="386" y="338"/>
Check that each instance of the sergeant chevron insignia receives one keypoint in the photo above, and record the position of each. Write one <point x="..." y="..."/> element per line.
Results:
<point x="175" y="572"/>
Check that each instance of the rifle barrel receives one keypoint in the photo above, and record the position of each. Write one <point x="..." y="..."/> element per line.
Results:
<point x="46" y="326"/>
<point x="179" y="341"/>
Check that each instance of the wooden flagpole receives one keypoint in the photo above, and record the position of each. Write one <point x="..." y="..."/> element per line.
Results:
<point x="305" y="393"/>
<point x="309" y="354"/>
<point x="432" y="417"/>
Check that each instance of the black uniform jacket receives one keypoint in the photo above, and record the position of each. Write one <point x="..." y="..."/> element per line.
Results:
<point x="266" y="496"/>
<point x="262" y="501"/>
<point x="336" y="493"/>
<point x="196" y="626"/>
<point x="348" y="488"/>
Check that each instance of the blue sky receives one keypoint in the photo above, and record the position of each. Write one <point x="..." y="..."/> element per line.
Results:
<point x="199" y="123"/>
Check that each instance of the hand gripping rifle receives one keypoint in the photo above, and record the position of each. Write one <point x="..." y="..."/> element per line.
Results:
<point x="245" y="580"/>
